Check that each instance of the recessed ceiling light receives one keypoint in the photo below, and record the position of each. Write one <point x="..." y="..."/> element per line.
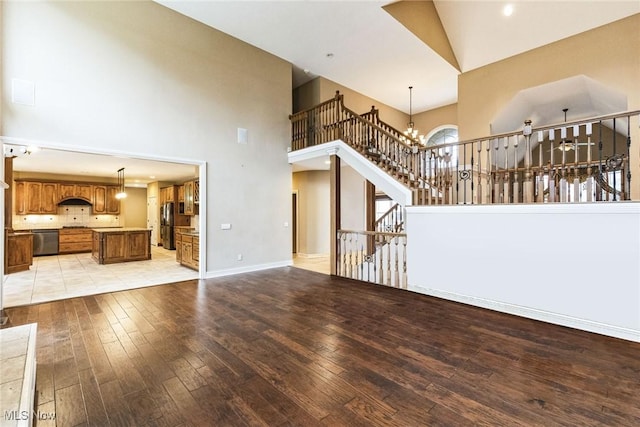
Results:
<point x="507" y="10"/>
<point x="152" y="176"/>
<point x="327" y="162"/>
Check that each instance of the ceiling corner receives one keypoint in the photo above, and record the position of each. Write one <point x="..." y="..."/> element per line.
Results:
<point x="422" y="19"/>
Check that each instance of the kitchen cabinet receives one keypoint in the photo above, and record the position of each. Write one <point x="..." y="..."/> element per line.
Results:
<point x="36" y="197"/>
<point x="104" y="200"/>
<point x="18" y="252"/>
<point x="167" y="194"/>
<point x="181" y="193"/>
<point x="188" y="249"/>
<point x="74" y="240"/>
<point x="191" y="197"/>
<point x="75" y="191"/>
<point x="112" y="245"/>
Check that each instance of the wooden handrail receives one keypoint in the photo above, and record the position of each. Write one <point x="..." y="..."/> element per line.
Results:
<point x="499" y="168"/>
<point x="374" y="233"/>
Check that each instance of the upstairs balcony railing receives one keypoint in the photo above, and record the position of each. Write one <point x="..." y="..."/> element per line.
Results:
<point x="579" y="161"/>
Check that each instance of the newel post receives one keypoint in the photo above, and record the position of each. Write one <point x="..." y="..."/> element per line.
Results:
<point x="527" y="196"/>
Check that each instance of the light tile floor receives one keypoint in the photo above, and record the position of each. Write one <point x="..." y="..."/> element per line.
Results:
<point x="57" y="277"/>
<point x="317" y="264"/>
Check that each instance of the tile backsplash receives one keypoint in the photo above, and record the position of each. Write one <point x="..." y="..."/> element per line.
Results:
<point x="67" y="216"/>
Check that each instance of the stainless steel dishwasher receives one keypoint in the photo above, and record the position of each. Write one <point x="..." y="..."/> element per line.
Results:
<point x="45" y="242"/>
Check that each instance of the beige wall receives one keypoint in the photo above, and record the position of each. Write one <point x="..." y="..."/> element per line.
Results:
<point x="429" y="120"/>
<point x="608" y="54"/>
<point x="133" y="208"/>
<point x="139" y="79"/>
<point x="313" y="211"/>
<point x="352" y="199"/>
<point x="322" y="89"/>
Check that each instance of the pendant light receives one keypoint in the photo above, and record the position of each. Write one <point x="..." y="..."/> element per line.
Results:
<point x="121" y="194"/>
<point x="412" y="132"/>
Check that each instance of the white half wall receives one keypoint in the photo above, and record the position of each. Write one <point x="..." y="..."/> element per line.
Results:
<point x="575" y="265"/>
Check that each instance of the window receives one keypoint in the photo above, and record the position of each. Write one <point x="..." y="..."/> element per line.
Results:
<point x="446" y="134"/>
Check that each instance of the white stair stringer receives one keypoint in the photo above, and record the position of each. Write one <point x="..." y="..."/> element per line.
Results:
<point x="369" y="170"/>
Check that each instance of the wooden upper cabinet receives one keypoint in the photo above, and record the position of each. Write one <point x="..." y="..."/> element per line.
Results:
<point x="99" y="199"/>
<point x="32" y="197"/>
<point x="75" y="191"/>
<point x="49" y="198"/>
<point x="84" y="191"/>
<point x="189" y="202"/>
<point x="112" y="203"/>
<point x="36" y="198"/>
<point x="181" y="193"/>
<point x="20" y="197"/>
<point x="167" y="194"/>
<point x="104" y="200"/>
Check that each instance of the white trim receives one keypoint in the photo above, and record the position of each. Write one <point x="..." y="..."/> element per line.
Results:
<point x="578" y="208"/>
<point x="249" y="269"/>
<point x="27" y="397"/>
<point x="438" y="129"/>
<point x="381" y="179"/>
<point x="202" y="168"/>
<point x="531" y="313"/>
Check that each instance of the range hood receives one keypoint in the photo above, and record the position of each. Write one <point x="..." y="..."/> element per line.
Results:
<point x="74" y="202"/>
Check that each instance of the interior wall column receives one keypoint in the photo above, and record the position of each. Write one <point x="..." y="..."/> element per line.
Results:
<point x="370" y="206"/>
<point x="8" y="200"/>
<point x="334" y="190"/>
<point x="370" y="214"/>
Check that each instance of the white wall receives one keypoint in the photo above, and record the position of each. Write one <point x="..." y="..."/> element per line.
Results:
<point x="571" y="264"/>
<point x="140" y="79"/>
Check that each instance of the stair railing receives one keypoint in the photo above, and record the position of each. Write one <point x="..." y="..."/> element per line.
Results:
<point x="547" y="164"/>
<point x="384" y="263"/>
<point x="331" y="121"/>
<point x="392" y="221"/>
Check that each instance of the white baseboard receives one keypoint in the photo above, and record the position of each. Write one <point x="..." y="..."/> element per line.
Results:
<point x="531" y="313"/>
<point x="248" y="269"/>
<point x="301" y="255"/>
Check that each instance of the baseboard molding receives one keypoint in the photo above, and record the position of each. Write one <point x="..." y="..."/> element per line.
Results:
<point x="248" y="269"/>
<point x="531" y="313"/>
<point x="301" y="255"/>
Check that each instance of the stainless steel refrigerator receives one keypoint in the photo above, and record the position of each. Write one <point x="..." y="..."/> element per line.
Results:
<point x="166" y="226"/>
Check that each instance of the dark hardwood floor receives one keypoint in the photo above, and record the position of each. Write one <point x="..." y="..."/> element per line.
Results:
<point x="292" y="347"/>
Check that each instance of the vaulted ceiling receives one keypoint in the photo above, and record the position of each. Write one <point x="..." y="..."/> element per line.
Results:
<point x="380" y="48"/>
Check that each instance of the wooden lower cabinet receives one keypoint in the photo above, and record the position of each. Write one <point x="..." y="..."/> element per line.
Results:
<point x="121" y="245"/>
<point x="18" y="254"/>
<point x="188" y="249"/>
<point x="74" y="240"/>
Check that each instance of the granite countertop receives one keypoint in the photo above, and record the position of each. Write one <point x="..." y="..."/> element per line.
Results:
<point x="189" y="232"/>
<point x="74" y="227"/>
<point x="19" y="232"/>
<point x="119" y="229"/>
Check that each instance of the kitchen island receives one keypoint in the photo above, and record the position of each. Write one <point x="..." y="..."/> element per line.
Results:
<point x="111" y="245"/>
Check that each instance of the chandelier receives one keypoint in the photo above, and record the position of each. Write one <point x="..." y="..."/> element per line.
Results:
<point x="412" y="133"/>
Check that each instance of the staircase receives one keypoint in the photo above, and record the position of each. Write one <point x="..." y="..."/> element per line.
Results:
<point x="578" y="161"/>
<point x="516" y="167"/>
<point x="380" y="143"/>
